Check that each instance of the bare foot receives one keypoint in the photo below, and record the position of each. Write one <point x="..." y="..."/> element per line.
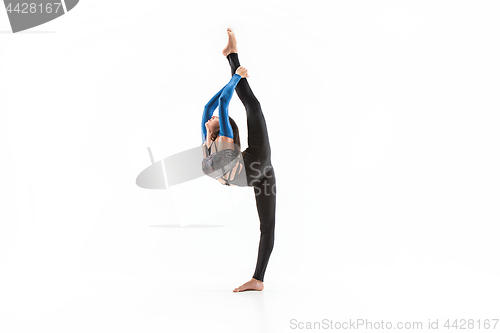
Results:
<point x="231" y="43"/>
<point x="253" y="284"/>
<point x="242" y="71"/>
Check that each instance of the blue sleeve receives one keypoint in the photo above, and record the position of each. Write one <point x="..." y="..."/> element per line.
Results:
<point x="225" y="98"/>
<point x="207" y="113"/>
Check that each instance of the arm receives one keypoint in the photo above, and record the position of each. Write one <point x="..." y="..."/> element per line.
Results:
<point x="225" y="98"/>
<point x="208" y="111"/>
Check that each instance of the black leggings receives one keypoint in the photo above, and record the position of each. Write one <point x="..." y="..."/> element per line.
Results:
<point x="258" y="168"/>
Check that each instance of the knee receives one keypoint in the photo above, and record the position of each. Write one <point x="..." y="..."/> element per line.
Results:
<point x="270" y="242"/>
<point x="267" y="231"/>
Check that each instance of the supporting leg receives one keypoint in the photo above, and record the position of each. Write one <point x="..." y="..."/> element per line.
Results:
<point x="265" y="197"/>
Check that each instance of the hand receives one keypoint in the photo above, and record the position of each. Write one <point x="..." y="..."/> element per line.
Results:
<point x="242" y="71"/>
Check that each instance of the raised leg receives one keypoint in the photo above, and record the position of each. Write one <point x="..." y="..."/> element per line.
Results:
<point x="258" y="140"/>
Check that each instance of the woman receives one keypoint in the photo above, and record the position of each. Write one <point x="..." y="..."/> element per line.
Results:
<point x="252" y="167"/>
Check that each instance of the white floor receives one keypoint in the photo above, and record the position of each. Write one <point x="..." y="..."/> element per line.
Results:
<point x="357" y="294"/>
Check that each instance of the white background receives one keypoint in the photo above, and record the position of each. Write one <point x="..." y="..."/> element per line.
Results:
<point x="383" y="121"/>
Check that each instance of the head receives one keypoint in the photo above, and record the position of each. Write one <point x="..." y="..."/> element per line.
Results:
<point x="213" y="127"/>
<point x="212" y="124"/>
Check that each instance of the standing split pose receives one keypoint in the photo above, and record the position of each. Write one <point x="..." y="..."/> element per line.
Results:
<point x="224" y="161"/>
